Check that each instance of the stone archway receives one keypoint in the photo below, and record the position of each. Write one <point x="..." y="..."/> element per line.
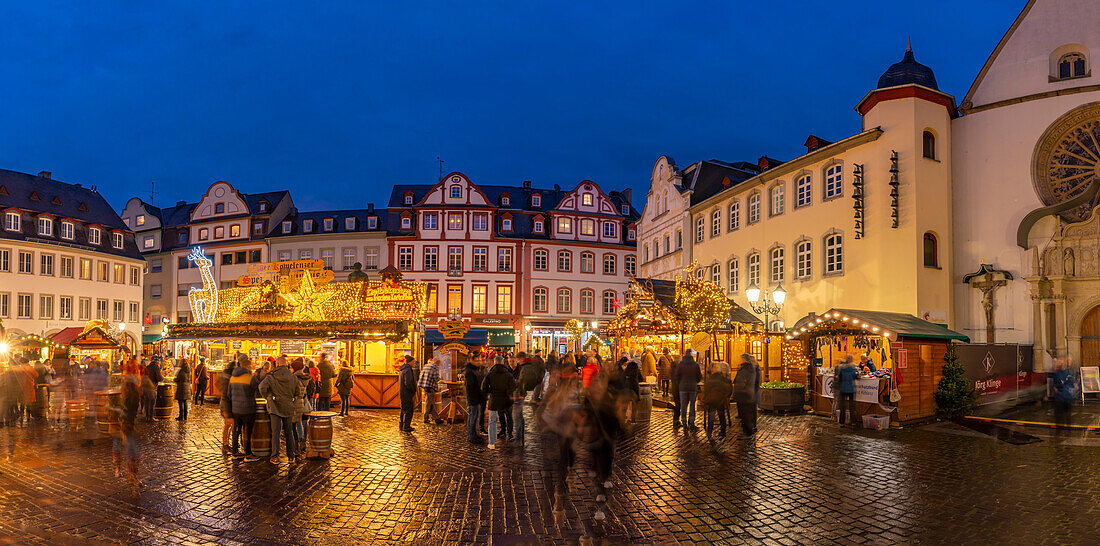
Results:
<point x="1090" y="338"/>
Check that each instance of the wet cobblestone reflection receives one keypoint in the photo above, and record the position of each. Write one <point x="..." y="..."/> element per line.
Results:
<point x="802" y="480"/>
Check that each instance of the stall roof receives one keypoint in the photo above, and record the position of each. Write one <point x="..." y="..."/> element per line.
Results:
<point x="665" y="293"/>
<point x="66" y="336"/>
<point x="474" y="336"/>
<point x="900" y="324"/>
<point x="502" y="337"/>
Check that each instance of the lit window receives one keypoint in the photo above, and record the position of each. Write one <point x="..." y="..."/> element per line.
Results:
<point x="735" y="215"/>
<point x="140" y="220"/>
<point x="778" y="265"/>
<point x="565" y="300"/>
<point x="833" y="182"/>
<point x="235" y="230"/>
<point x="11" y="221"/>
<point x="803" y="191"/>
<point x="504" y="300"/>
<point x="732" y="274"/>
<point x="777" y="200"/>
<point x="454" y="221"/>
<point x="68" y="229"/>
<point x="834" y="254"/>
<point x="803" y="260"/>
<point x="586" y="199"/>
<point x="481" y="299"/>
<point x="716" y="223"/>
<point x="219" y="232"/>
<point x="565" y="225"/>
<point x="147" y="242"/>
<point x="454" y="298"/>
<point x="588" y="227"/>
<point x="45" y="227"/>
<point x="539" y="303"/>
<point x="541" y="258"/>
<point x="754" y="208"/>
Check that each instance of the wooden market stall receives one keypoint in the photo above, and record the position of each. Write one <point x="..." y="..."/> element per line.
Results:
<point x="907" y="353"/>
<point x="293" y="308"/>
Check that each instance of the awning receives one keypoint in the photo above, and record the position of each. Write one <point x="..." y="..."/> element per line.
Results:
<point x="474" y="336"/>
<point x="502" y="337"/>
<point x="900" y="324"/>
<point x="150" y="338"/>
<point x="66" y="336"/>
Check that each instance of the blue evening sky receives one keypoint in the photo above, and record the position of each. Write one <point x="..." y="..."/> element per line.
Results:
<point x="337" y="101"/>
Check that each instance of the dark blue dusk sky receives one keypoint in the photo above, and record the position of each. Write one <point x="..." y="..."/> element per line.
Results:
<point x="337" y="101"/>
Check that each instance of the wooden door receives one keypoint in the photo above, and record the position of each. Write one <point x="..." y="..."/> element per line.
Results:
<point x="1090" y="338"/>
<point x="926" y="375"/>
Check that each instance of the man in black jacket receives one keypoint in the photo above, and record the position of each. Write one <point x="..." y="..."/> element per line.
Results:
<point x="149" y="398"/>
<point x="406" y="391"/>
<point x="324" y="392"/>
<point x="475" y="400"/>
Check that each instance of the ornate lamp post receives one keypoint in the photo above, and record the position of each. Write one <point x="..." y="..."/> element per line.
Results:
<point x="768" y="307"/>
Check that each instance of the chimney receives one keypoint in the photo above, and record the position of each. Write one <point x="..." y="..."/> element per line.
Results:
<point x="526" y="184"/>
<point x="45" y="174"/>
<point x="814" y="142"/>
<point x="370" y="207"/>
<point x="766" y="163"/>
<point x="181" y="203"/>
<point x="626" y="195"/>
<point x="557" y="187"/>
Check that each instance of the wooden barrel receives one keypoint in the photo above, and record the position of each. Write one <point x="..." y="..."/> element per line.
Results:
<point x="162" y="408"/>
<point x="105" y="417"/>
<point x="261" y="430"/>
<point x="75" y="409"/>
<point x="643" y="408"/>
<point x="319" y="437"/>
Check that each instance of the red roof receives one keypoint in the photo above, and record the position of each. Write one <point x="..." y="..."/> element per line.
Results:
<point x="66" y="336"/>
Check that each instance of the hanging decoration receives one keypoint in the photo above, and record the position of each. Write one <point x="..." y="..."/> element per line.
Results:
<point x="894" y="188"/>
<point x="702" y="304"/>
<point x="857" y="198"/>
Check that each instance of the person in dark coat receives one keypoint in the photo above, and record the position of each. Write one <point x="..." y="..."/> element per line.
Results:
<point x="631" y="383"/>
<point x="844" y="388"/>
<point x="183" y="388"/>
<point x="200" y="382"/>
<point x="224" y="406"/>
<point x="717" y="390"/>
<point x="406" y="390"/>
<point x="282" y="389"/>
<point x="153" y="377"/>
<point x="746" y="392"/>
<point x="344" y="382"/>
<point x="498" y="385"/>
<point x="687" y="376"/>
<point x="324" y="391"/>
<point x="475" y="400"/>
<point x="240" y="396"/>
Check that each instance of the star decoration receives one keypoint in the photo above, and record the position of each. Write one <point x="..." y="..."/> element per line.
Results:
<point x="306" y="301"/>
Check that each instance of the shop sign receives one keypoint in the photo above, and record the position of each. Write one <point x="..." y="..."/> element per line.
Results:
<point x="289" y="278"/>
<point x="287" y="266"/>
<point x="700" y="341"/>
<point x="902" y="359"/>
<point x="386" y="294"/>
<point x="645" y="324"/>
<point x="1090" y="379"/>
<point x="492" y="321"/>
<point x="236" y="345"/>
<point x="254" y="354"/>
<point x="646" y="303"/>
<point x="867" y="390"/>
<point x="827" y="385"/>
<point x="454" y="346"/>
<point x="453" y="329"/>
<point x="292" y="347"/>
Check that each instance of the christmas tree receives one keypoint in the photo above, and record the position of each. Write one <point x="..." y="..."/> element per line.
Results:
<point x="955" y="394"/>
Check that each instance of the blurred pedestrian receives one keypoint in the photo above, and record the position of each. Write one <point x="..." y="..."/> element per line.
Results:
<point x="1065" y="391"/>
<point x="429" y="384"/>
<point x="153" y="377"/>
<point x="183" y="388"/>
<point x="844" y="389"/>
<point x="498" y="385"/>
<point x="224" y="405"/>
<point x="241" y="401"/>
<point x="688" y="376"/>
<point x="345" y="380"/>
<point x="327" y="373"/>
<point x="475" y="400"/>
<point x="528" y="378"/>
<point x="406" y="391"/>
<point x="664" y="373"/>
<point x="200" y="382"/>
<point x="746" y="392"/>
<point x="717" y="390"/>
<point x="125" y="442"/>
<point x="589" y="372"/>
<point x="298" y="368"/>
<point x="281" y="389"/>
<point x="631" y="393"/>
<point x="648" y="364"/>
<point x="313" y="387"/>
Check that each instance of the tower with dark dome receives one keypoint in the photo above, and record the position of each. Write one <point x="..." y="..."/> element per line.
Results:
<point x="908" y="72"/>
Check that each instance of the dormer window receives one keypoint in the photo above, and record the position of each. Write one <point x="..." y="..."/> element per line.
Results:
<point x="263" y="206"/>
<point x="456" y="192"/>
<point x="116" y="240"/>
<point x="630" y="234"/>
<point x="11" y="221"/>
<point x="140" y="220"/>
<point x="182" y="237"/>
<point x="45" y="227"/>
<point x="219" y="208"/>
<point x="408" y="199"/>
<point x="328" y="224"/>
<point x="506" y="224"/>
<point x="505" y="201"/>
<point x="372" y="222"/>
<point x="536" y="200"/>
<point x="349" y="223"/>
<point x="94" y="235"/>
<point x="1071" y="65"/>
<point x="67" y="230"/>
<point x="538" y="226"/>
<point x="626" y="210"/>
<point x="586" y="199"/>
<point x="307" y="225"/>
<point x="406" y="222"/>
<point x="286" y="227"/>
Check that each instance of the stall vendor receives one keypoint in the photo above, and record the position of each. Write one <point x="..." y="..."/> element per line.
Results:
<point x="866" y="365"/>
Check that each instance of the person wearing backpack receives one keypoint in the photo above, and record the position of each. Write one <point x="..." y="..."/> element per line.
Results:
<point x="746" y="392"/>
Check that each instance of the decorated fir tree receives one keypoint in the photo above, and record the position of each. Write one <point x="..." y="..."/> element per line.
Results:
<point x="955" y="394"/>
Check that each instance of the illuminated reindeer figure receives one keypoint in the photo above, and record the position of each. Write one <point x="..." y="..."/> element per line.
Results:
<point x="204" y="301"/>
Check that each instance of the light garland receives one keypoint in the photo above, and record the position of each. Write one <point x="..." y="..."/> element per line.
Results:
<point x="703" y="304"/>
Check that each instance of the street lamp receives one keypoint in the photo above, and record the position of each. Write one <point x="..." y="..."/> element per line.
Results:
<point x="768" y="307"/>
<point x="529" y="340"/>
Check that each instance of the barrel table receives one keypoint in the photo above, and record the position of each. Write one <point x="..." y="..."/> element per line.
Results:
<point x="319" y="437"/>
<point x="261" y="430"/>
<point x="162" y="408"/>
<point x="106" y="404"/>
<point x="75" y="409"/>
<point x="643" y="408"/>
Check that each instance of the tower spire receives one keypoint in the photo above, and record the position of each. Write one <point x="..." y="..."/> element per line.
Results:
<point x="909" y="45"/>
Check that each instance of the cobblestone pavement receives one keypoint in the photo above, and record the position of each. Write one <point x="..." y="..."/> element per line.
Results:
<point x="801" y="480"/>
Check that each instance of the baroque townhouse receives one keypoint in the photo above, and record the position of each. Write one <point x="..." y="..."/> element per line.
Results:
<point x="231" y="227"/>
<point x="341" y="238"/>
<point x="65" y="257"/>
<point x="517" y="261"/>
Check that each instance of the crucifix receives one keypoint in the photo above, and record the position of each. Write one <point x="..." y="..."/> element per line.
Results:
<point x="989" y="284"/>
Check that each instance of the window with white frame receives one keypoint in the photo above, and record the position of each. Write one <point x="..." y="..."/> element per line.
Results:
<point x="133" y="311"/>
<point x="219" y="232"/>
<point x="565" y="300"/>
<point x="118" y="309"/>
<point x="777" y="199"/>
<point x="84" y="309"/>
<point x="716" y="274"/>
<point x="65" y="268"/>
<point x="541" y="258"/>
<point x="588" y="262"/>
<point x="480" y="299"/>
<point x="45" y="264"/>
<point x="481" y="258"/>
<point x="700" y="272"/>
<point x="539" y="300"/>
<point x="505" y="201"/>
<point x="135" y="276"/>
<point x="609" y="229"/>
<point x="754" y="208"/>
<point x="24" y="307"/>
<point x="504" y="300"/>
<point x="405" y="258"/>
<point x="406" y="222"/>
<point x="630" y="265"/>
<point x="116" y="240"/>
<point x="734" y="215"/>
<point x="328" y="256"/>
<point x="536" y="200"/>
<point x="94" y="235"/>
<point x="65" y="307"/>
<point x="12" y="221"/>
<point x="630" y="234"/>
<point x="26" y="262"/>
<point x="754" y="269"/>
<point x="803" y="189"/>
<point x="778" y="263"/>
<point x="480" y="222"/>
<point x="45" y="307"/>
<point x="307" y="225"/>
<point x="327" y="223"/>
<point x="803" y="257"/>
<point x="732" y="275"/>
<point x="538" y="226"/>
<point x="285" y="256"/>
<point x="834" y="254"/>
<point x="715" y="223"/>
<point x="588" y="301"/>
<point x="700" y="229"/>
<point x="565" y="225"/>
<point x="5" y="260"/>
<point x="456" y="192"/>
<point x="431" y="220"/>
<point x="372" y="222"/>
<point x="350" y="256"/>
<point x="5" y="305"/>
<point x="625" y="209"/>
<point x="305" y="254"/>
<point x="609" y="302"/>
<point x="454" y="221"/>
<point x="45" y="227"/>
<point x="454" y="258"/>
<point x="286" y="227"/>
<point x="68" y="229"/>
<point x="409" y="199"/>
<point x="834" y="181"/>
<point x="370" y="258"/>
<point x="504" y="260"/>
<point x="609" y="264"/>
<point x="349" y="223"/>
<point x="588" y="227"/>
<point x="147" y="242"/>
<point x="565" y="261"/>
<point x="506" y="224"/>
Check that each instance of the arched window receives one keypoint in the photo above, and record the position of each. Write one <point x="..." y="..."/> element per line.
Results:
<point x="777" y="199"/>
<point x="456" y="192"/>
<point x="608" y="302"/>
<point x="778" y="265"/>
<point x="929" y="145"/>
<point x="700" y="229"/>
<point x="540" y="300"/>
<point x="754" y="269"/>
<point x="588" y="301"/>
<point x="931" y="250"/>
<point x="735" y="215"/>
<point x="834" y="181"/>
<point x="716" y="274"/>
<point x="565" y="300"/>
<point x="1071" y="65"/>
<point x="754" y="207"/>
<point x="645" y="252"/>
<point x="541" y="257"/>
<point x="609" y="264"/>
<point x="803" y="257"/>
<point x="834" y="254"/>
<point x="629" y="264"/>
<point x="733" y="273"/>
<point x="803" y="189"/>
<point x="716" y="223"/>
<point x="565" y="261"/>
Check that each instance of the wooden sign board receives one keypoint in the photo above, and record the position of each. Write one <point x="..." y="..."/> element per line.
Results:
<point x="646" y="303"/>
<point x="700" y="341"/>
<point x="1090" y="379"/>
<point x="645" y="324"/>
<point x="453" y="329"/>
<point x="454" y="346"/>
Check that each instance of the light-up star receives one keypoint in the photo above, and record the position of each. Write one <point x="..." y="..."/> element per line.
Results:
<point x="306" y="301"/>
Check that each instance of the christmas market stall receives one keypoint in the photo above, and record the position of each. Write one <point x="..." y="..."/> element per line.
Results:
<point x="907" y="355"/>
<point x="294" y="308"/>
